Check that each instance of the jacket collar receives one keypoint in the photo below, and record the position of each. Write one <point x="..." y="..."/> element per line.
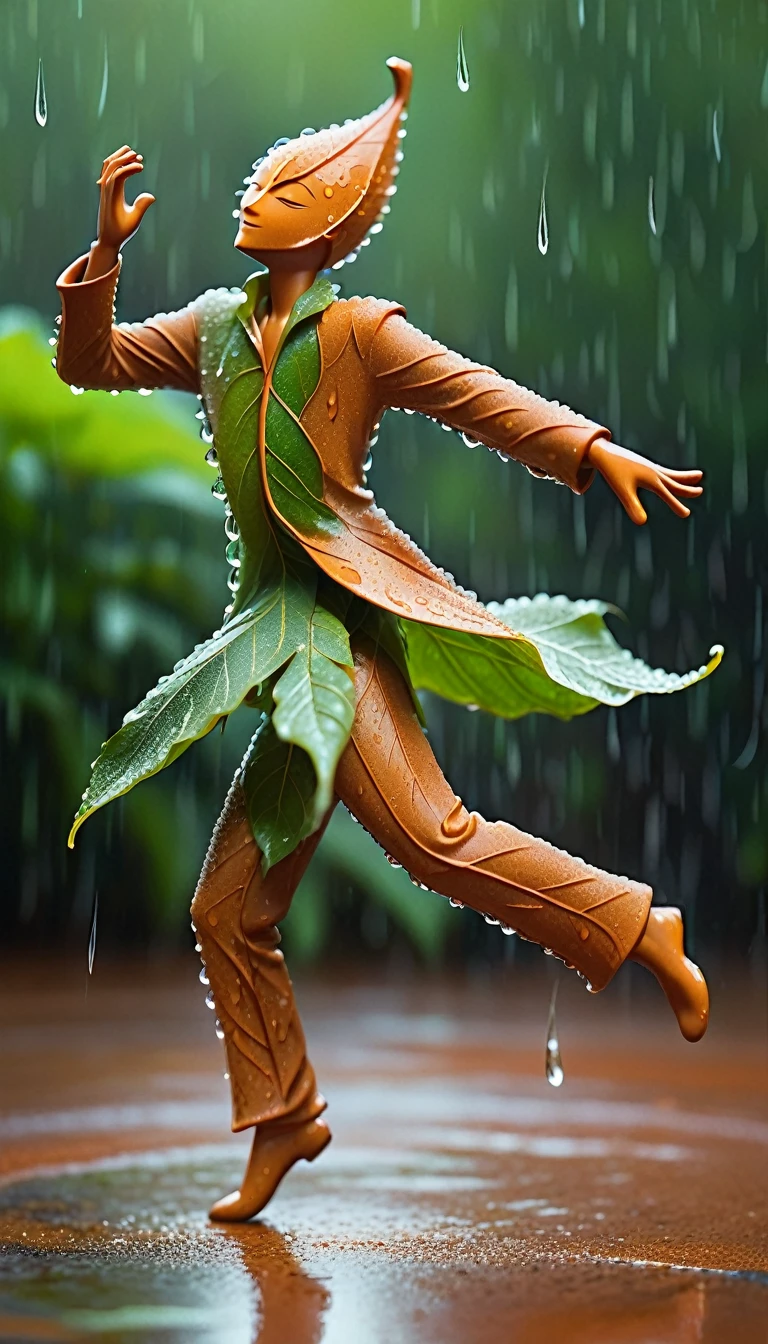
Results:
<point x="314" y="300"/>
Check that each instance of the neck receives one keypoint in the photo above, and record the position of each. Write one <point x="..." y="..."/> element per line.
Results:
<point x="285" y="287"/>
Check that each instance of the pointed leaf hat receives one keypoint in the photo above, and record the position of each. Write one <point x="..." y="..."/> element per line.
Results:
<point x="354" y="167"/>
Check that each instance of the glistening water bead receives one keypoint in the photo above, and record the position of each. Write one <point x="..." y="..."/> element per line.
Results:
<point x="92" y="938"/>
<point x="553" y="1064"/>
<point x="41" y="102"/>
<point x="651" y="207"/>
<point x="462" y="69"/>
<point x="542" y="231"/>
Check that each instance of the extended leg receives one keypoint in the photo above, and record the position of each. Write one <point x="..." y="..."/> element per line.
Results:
<point x="235" y="913"/>
<point x="389" y="778"/>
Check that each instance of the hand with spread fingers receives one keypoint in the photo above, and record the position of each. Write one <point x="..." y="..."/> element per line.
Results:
<point x="627" y="472"/>
<point x="118" y="221"/>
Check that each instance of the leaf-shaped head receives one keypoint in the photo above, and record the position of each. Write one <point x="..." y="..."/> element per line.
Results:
<point x="325" y="190"/>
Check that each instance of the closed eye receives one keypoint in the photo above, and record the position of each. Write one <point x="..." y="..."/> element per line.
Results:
<point x="295" y="205"/>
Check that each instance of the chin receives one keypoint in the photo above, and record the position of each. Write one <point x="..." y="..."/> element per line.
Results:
<point x="245" y="241"/>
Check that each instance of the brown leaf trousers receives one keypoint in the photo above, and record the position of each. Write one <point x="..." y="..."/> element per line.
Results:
<point x="389" y="780"/>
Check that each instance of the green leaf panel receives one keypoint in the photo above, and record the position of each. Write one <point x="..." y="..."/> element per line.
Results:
<point x="212" y="682"/>
<point x="315" y="703"/>
<point x="565" y="663"/>
<point x="279" y="783"/>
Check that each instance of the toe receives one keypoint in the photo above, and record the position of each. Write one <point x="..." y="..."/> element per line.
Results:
<point x="229" y="1209"/>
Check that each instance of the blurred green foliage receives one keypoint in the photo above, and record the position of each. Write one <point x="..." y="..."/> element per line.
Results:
<point x="661" y="335"/>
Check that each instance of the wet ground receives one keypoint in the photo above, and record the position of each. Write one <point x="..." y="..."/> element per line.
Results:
<point x="463" y="1198"/>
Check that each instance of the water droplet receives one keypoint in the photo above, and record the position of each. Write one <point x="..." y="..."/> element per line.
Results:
<point x="104" y="82"/>
<point x="218" y="489"/>
<point x="92" y="938"/>
<point x="553" y="1065"/>
<point x="210" y="1002"/>
<point x="651" y="207"/>
<point x="204" y="976"/>
<point x="219" y="1030"/>
<point x="542" y="232"/>
<point x="41" y="102"/>
<point x="462" y="69"/>
<point x="212" y="457"/>
<point x="392" y="861"/>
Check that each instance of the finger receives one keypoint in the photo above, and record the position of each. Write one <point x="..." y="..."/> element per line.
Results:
<point x="690" y="476"/>
<point x="143" y="202"/>
<point x="632" y="506"/>
<point x="117" y="161"/>
<point x="675" y="504"/>
<point x="129" y="156"/>
<point x="115" y="154"/>
<point x="126" y="170"/>
<point x="690" y="491"/>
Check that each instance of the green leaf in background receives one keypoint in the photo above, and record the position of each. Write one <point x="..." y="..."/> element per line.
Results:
<point x="315" y="703"/>
<point x="202" y="689"/>
<point x="280" y="784"/>
<point x="347" y="850"/>
<point x="91" y="433"/>
<point x="565" y="663"/>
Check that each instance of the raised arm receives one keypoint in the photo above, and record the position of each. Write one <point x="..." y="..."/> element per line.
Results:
<point x="92" y="351"/>
<point x="416" y="373"/>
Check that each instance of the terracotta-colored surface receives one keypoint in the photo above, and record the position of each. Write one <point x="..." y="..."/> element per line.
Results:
<point x="462" y="1199"/>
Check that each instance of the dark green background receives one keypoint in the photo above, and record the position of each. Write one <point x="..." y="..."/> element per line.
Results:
<point x="663" y="338"/>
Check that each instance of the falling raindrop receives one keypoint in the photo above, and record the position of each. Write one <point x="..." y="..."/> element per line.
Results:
<point x="716" y="135"/>
<point x="104" y="82"/>
<point x="92" y="938"/>
<point x="41" y="102"/>
<point x="553" y="1065"/>
<point x="462" y="69"/>
<point x="581" y="14"/>
<point x="651" y="207"/>
<point x="542" y="232"/>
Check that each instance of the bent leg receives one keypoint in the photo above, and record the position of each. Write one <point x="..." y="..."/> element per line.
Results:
<point x="389" y="779"/>
<point x="235" y="914"/>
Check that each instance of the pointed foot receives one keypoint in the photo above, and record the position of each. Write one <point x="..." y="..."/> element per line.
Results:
<point x="272" y="1156"/>
<point x="661" y="951"/>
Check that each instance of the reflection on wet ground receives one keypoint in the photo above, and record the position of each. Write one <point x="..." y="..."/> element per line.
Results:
<point x="462" y="1200"/>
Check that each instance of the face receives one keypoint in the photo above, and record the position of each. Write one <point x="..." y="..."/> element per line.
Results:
<point x="284" y="217"/>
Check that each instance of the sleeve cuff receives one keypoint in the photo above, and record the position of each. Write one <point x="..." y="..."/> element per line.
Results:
<point x="73" y="275"/>
<point x="560" y="454"/>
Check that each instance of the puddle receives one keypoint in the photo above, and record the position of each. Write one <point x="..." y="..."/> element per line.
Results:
<point x="120" y="1251"/>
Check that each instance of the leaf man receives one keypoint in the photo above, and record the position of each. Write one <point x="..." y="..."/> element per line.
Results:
<point x="336" y="616"/>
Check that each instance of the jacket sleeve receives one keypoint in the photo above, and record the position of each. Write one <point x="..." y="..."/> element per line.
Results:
<point x="93" y="352"/>
<point x="413" y="372"/>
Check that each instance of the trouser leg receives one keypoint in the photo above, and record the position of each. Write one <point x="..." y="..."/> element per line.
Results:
<point x="389" y="779"/>
<point x="235" y="913"/>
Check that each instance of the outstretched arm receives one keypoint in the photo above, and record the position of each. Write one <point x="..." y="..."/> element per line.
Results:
<point x="416" y="373"/>
<point x="92" y="351"/>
